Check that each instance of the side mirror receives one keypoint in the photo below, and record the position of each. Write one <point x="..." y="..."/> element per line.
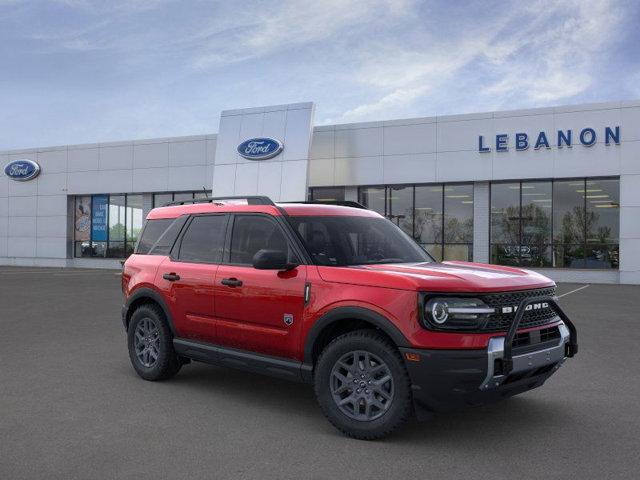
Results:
<point x="272" y="260"/>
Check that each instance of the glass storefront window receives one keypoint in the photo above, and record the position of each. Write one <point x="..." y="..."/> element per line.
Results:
<point x="374" y="199"/>
<point x="536" y="201"/>
<point x="439" y="217"/>
<point x="161" y="199"/>
<point x="117" y="219"/>
<point x="327" y="194"/>
<point x="458" y="222"/>
<point x="178" y="197"/>
<point x="107" y="225"/>
<point x="134" y="221"/>
<point x="562" y="224"/>
<point x="428" y="219"/>
<point x="400" y="208"/>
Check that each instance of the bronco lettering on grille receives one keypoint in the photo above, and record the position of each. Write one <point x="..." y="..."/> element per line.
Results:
<point x="532" y="306"/>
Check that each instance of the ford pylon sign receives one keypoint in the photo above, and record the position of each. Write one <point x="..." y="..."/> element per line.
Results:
<point x="22" y="170"/>
<point x="260" y="148"/>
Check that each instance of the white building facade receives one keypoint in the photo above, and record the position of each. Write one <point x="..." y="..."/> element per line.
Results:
<point x="553" y="189"/>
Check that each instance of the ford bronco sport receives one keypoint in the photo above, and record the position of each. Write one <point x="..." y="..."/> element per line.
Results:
<point x="339" y="297"/>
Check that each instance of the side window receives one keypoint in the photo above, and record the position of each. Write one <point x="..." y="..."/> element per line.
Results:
<point x="151" y="233"/>
<point x="319" y="242"/>
<point x="252" y="233"/>
<point x="168" y="238"/>
<point x="204" y="239"/>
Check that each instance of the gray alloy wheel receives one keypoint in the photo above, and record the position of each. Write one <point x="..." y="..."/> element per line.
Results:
<point x="147" y="342"/>
<point x="361" y="385"/>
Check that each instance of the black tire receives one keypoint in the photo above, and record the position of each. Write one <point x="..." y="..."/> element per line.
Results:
<point x="400" y="406"/>
<point x="167" y="363"/>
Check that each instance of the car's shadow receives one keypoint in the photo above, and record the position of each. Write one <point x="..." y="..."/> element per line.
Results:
<point x="476" y="425"/>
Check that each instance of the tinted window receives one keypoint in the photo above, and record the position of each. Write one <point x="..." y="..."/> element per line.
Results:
<point x="252" y="233"/>
<point x="327" y="194"/>
<point x="342" y="241"/>
<point x="151" y="233"/>
<point x="164" y="244"/>
<point x="204" y="239"/>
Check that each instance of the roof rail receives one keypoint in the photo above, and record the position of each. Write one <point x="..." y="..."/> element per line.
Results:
<point x="341" y="203"/>
<point x="251" y="200"/>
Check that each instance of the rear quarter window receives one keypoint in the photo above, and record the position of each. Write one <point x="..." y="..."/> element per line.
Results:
<point x="159" y="235"/>
<point x="153" y="229"/>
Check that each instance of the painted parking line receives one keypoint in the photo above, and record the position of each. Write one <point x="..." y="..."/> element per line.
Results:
<point x="574" y="291"/>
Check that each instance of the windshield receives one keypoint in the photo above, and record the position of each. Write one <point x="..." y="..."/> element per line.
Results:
<point x="341" y="241"/>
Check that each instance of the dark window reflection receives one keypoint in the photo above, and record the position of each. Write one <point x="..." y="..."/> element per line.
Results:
<point x="373" y="198"/>
<point x="428" y="224"/>
<point x="400" y="208"/>
<point x="324" y="194"/>
<point x="439" y="217"/>
<point x="505" y="213"/>
<point x="568" y="212"/>
<point x="562" y="224"/>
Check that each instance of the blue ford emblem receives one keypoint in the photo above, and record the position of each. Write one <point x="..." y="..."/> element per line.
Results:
<point x="260" y="148"/>
<point x="22" y="170"/>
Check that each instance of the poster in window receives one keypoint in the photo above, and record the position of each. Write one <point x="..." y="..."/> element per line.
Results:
<point x="83" y="219"/>
<point x="99" y="218"/>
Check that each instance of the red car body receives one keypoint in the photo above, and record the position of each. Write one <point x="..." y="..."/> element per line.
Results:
<point x="249" y="318"/>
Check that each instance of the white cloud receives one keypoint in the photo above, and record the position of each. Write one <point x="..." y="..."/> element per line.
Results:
<point x="543" y="52"/>
<point x="287" y="25"/>
<point x="555" y="63"/>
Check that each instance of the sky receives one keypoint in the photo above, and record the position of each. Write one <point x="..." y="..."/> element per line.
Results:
<point x="80" y="71"/>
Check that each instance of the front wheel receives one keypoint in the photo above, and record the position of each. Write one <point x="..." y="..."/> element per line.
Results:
<point x="362" y="385"/>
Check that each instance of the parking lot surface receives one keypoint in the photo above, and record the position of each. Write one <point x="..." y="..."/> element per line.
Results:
<point x="71" y="407"/>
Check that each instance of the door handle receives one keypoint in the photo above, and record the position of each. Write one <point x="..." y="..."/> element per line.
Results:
<point x="231" y="282"/>
<point x="172" y="277"/>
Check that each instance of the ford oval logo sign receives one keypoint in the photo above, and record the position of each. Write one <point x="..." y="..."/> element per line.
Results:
<point x="22" y="170"/>
<point x="260" y="148"/>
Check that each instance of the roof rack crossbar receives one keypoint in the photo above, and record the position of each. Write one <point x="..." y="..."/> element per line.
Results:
<point x="341" y="203"/>
<point x="251" y="200"/>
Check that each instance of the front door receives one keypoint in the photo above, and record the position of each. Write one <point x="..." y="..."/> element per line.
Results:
<point x="259" y="310"/>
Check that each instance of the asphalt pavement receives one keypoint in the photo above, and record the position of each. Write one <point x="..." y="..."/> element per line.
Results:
<point x="71" y="406"/>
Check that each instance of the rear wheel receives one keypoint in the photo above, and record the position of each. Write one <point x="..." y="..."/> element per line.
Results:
<point x="362" y="385"/>
<point x="151" y="344"/>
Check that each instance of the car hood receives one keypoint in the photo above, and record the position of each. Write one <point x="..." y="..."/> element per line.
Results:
<point x="438" y="277"/>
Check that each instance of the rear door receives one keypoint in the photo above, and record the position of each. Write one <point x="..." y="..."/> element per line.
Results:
<point x="259" y="310"/>
<point x="187" y="278"/>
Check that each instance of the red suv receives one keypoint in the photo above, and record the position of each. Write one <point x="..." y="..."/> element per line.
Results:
<point x="337" y="296"/>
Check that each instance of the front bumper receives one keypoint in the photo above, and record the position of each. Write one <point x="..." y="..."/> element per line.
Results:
<point x="445" y="380"/>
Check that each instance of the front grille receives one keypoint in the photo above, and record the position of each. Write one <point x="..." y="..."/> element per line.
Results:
<point x="535" y="339"/>
<point x="500" y="321"/>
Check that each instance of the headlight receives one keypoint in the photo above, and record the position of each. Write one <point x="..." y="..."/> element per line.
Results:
<point x="453" y="313"/>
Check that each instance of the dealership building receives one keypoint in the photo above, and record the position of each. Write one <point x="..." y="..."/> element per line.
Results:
<point x="552" y="189"/>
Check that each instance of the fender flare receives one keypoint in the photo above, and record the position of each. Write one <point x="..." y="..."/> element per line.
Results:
<point x="150" y="294"/>
<point x="351" y="313"/>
